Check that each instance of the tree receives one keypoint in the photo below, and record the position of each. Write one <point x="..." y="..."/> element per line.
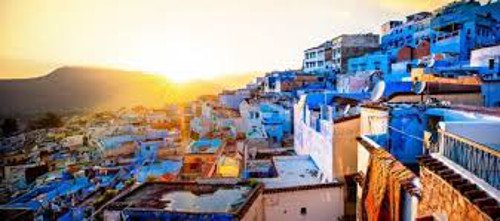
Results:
<point x="49" y="120"/>
<point x="9" y="126"/>
<point x="85" y="141"/>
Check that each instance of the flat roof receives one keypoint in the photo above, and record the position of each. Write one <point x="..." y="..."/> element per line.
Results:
<point x="40" y="195"/>
<point x="188" y="197"/>
<point x="158" y="169"/>
<point x="116" y="141"/>
<point x="293" y="171"/>
<point x="205" y="146"/>
<point x="260" y="169"/>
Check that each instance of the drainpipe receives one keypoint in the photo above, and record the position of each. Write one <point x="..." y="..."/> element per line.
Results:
<point x="410" y="207"/>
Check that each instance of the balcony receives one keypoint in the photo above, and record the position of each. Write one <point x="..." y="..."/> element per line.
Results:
<point x="480" y="160"/>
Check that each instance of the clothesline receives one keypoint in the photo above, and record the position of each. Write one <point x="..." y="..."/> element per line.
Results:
<point x="404" y="133"/>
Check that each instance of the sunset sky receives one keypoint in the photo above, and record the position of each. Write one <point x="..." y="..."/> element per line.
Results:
<point x="181" y="39"/>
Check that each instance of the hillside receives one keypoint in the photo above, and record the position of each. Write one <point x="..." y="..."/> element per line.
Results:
<point x="76" y="88"/>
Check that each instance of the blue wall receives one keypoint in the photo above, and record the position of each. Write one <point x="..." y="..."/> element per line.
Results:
<point x="491" y="93"/>
<point x="406" y="130"/>
<point x="411" y="33"/>
<point x="460" y="27"/>
<point x="370" y="62"/>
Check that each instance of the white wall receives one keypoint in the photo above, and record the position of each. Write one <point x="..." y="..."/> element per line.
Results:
<point x="320" y="57"/>
<point x="373" y="122"/>
<point x="480" y="57"/>
<point x="318" y="146"/>
<point x="480" y="132"/>
<point x="308" y="141"/>
<point x="231" y="101"/>
<point x="255" y="212"/>
<point x="320" y="203"/>
<point x="247" y="122"/>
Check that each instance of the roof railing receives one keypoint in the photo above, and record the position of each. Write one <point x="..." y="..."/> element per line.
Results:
<point x="479" y="159"/>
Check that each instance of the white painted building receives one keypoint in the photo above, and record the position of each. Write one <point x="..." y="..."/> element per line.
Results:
<point x="317" y="59"/>
<point x="299" y="193"/>
<point x="307" y="140"/>
<point x="232" y="99"/>
<point x="487" y="58"/>
<point x="320" y="202"/>
<point x="329" y="138"/>
<point x="484" y="57"/>
<point x="72" y="141"/>
<point x="334" y="54"/>
<point x="251" y="121"/>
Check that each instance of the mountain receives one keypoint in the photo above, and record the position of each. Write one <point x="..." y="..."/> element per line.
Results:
<point x="77" y="88"/>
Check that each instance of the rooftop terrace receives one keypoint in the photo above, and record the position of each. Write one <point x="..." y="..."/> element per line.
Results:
<point x="205" y="146"/>
<point x="293" y="171"/>
<point x="260" y="169"/>
<point x="159" y="169"/>
<point x="46" y="193"/>
<point x="187" y="197"/>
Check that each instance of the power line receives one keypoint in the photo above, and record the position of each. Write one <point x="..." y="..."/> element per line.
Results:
<point x="404" y="133"/>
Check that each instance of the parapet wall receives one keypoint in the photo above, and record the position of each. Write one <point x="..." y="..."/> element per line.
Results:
<point x="440" y="198"/>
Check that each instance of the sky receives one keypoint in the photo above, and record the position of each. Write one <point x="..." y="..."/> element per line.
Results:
<point x="181" y="39"/>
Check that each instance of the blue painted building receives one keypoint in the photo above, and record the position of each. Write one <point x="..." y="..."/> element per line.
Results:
<point x="459" y="27"/>
<point x="377" y="61"/>
<point x="397" y="34"/>
<point x="158" y="169"/>
<point x="406" y="129"/>
<point x="490" y="90"/>
<point x="273" y="80"/>
<point x="210" y="146"/>
<point x="276" y="121"/>
<point x="398" y="128"/>
<point x="448" y="35"/>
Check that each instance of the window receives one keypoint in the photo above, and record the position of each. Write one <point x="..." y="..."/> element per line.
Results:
<point x="303" y="211"/>
<point x="491" y="64"/>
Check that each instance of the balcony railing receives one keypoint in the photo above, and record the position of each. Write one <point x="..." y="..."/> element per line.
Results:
<point x="482" y="161"/>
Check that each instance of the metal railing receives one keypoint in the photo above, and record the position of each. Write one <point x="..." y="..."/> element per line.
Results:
<point x="481" y="160"/>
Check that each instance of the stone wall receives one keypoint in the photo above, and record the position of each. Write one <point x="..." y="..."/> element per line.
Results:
<point x="440" y="198"/>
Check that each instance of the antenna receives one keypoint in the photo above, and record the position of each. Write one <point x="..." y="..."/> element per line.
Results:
<point x="419" y="87"/>
<point x="420" y="62"/>
<point x="378" y="91"/>
<point x="432" y="62"/>
<point x="346" y="110"/>
<point x="366" y="89"/>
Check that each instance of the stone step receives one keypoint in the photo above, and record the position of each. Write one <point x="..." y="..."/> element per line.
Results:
<point x="475" y="194"/>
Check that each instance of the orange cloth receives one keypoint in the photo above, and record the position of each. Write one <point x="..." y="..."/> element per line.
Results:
<point x="382" y="187"/>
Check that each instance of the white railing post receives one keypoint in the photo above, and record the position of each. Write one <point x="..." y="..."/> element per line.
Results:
<point x="478" y="159"/>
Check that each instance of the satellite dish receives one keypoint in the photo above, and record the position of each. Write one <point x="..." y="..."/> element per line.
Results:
<point x="419" y="87"/>
<point x="420" y="62"/>
<point x="432" y="62"/>
<point x="346" y="110"/>
<point x="378" y="91"/>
